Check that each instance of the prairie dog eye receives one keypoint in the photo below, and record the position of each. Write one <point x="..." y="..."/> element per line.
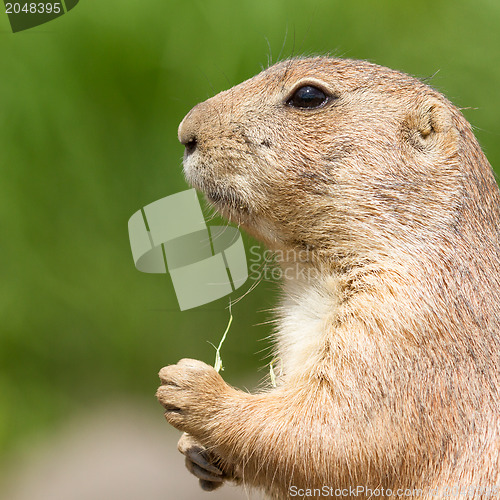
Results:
<point x="307" y="97"/>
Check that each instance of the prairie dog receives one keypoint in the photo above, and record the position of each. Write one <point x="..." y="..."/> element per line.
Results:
<point x="390" y="348"/>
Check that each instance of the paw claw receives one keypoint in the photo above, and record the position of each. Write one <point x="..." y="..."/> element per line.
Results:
<point x="199" y="461"/>
<point x="197" y="455"/>
<point x="209" y="485"/>
<point x="201" y="473"/>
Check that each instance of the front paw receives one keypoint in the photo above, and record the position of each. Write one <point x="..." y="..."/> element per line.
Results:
<point x="189" y="393"/>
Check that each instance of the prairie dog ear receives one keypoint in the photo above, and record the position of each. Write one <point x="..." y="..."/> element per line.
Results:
<point x="430" y="125"/>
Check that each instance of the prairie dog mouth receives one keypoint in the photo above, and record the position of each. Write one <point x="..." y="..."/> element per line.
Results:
<point x="218" y="192"/>
<point x="226" y="197"/>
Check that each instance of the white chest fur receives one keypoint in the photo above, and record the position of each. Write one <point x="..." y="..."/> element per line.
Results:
<point x="304" y="320"/>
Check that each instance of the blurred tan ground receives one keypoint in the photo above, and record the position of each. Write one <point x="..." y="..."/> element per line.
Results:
<point x="115" y="453"/>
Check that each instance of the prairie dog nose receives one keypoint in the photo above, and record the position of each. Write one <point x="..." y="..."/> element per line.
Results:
<point x="189" y="128"/>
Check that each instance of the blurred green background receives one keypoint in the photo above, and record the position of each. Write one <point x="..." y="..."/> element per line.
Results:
<point x="89" y="109"/>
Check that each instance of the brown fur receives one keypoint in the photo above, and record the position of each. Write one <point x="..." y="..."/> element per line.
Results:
<point x="390" y="349"/>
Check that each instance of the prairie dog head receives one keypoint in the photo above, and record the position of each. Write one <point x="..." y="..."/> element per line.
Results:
<point x="327" y="154"/>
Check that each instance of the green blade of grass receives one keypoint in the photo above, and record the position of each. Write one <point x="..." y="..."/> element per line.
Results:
<point x="218" y="360"/>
